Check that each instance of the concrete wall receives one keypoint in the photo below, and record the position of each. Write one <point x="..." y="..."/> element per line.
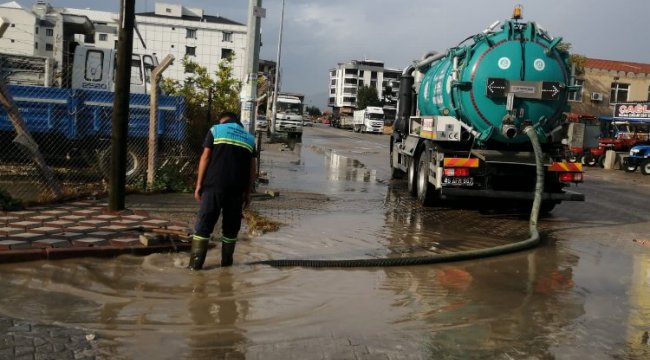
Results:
<point x="600" y="81"/>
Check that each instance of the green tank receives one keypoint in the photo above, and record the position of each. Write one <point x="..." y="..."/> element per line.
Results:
<point x="505" y="79"/>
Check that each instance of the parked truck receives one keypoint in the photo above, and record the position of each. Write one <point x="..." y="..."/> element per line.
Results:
<point x="462" y="116"/>
<point x="288" y="119"/>
<point x="370" y="119"/>
<point x="69" y="113"/>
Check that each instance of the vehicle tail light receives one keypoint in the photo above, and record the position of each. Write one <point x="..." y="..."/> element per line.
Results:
<point x="456" y="171"/>
<point x="571" y="177"/>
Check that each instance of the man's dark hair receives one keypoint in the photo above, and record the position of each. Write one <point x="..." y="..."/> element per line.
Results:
<point x="228" y="114"/>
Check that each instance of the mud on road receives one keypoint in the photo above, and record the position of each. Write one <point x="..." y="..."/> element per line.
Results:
<point x="582" y="293"/>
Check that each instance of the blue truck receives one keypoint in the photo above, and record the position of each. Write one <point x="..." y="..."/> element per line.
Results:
<point x="69" y="115"/>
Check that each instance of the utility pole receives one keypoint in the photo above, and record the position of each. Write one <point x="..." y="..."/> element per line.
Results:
<point x="117" y="190"/>
<point x="277" y="73"/>
<point x="248" y="95"/>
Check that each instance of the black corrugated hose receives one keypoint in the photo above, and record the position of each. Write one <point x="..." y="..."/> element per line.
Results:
<point x="532" y="241"/>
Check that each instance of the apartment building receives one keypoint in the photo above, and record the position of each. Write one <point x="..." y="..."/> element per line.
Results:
<point x="174" y="29"/>
<point x="347" y="78"/>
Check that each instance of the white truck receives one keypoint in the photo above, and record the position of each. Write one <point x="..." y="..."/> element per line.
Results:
<point x="288" y="117"/>
<point x="370" y="119"/>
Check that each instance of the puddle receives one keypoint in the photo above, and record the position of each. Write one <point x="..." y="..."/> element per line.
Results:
<point x="527" y="305"/>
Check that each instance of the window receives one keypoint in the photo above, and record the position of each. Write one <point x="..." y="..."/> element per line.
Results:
<point x="361" y="83"/>
<point x="49" y="47"/>
<point x="136" y="70"/>
<point x="94" y="65"/>
<point x="332" y="91"/>
<point x="190" y="50"/>
<point x="115" y="46"/>
<point x="332" y="100"/>
<point x="36" y="30"/>
<point x="648" y="93"/>
<point x="36" y="46"/>
<point x="148" y="67"/>
<point x="190" y="34"/>
<point x="49" y="32"/>
<point x="103" y="37"/>
<point x="373" y="75"/>
<point x="226" y="53"/>
<point x="89" y="39"/>
<point x="168" y="10"/>
<point x="577" y="96"/>
<point x="619" y="93"/>
<point x="333" y="82"/>
<point x="227" y="36"/>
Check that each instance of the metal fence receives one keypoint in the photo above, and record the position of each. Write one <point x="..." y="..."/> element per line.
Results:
<point x="71" y="129"/>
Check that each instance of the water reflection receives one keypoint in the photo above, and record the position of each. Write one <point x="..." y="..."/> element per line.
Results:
<point x="344" y="168"/>
<point x="215" y="318"/>
<point x="513" y="306"/>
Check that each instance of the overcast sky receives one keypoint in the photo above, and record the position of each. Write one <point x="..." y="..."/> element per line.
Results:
<point x="318" y="34"/>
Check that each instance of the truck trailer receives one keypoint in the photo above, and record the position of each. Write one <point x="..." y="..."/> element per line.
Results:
<point x="463" y="114"/>
<point x="69" y="114"/>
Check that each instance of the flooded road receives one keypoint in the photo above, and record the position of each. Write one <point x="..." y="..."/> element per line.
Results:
<point x="584" y="293"/>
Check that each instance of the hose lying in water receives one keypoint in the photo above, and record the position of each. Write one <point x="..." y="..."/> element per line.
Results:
<point x="533" y="240"/>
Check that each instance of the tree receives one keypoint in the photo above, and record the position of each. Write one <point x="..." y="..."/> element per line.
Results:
<point x="367" y="96"/>
<point x="313" y="111"/>
<point x="205" y="96"/>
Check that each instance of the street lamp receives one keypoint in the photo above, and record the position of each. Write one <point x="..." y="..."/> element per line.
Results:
<point x="277" y="73"/>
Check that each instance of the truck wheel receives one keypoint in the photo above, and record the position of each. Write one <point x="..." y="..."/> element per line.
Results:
<point x="645" y="167"/>
<point x="412" y="177"/>
<point x="135" y="163"/>
<point x="572" y="158"/>
<point x="630" y="168"/>
<point x="601" y="161"/>
<point x="425" y="191"/>
<point x="591" y="161"/>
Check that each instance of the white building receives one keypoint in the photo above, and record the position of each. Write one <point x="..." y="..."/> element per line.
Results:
<point x="177" y="30"/>
<point x="347" y="78"/>
<point x="169" y="29"/>
<point x="42" y="31"/>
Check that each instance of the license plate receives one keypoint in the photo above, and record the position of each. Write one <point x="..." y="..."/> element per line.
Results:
<point x="458" y="181"/>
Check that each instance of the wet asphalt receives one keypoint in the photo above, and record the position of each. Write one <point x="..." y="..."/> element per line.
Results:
<point x="582" y="294"/>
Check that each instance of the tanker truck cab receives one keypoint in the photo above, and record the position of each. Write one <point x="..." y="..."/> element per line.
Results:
<point x="289" y="114"/>
<point x="370" y="119"/>
<point x="465" y="115"/>
<point x="94" y="69"/>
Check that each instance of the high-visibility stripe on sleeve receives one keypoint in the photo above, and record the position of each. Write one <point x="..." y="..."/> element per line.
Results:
<point x="234" y="142"/>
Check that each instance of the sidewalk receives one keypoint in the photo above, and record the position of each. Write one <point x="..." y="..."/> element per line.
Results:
<point x="81" y="228"/>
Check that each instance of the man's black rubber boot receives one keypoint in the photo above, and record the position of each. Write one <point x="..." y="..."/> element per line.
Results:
<point x="198" y="253"/>
<point x="227" y="251"/>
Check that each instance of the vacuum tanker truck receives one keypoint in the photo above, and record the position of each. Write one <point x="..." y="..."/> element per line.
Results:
<point x="463" y="115"/>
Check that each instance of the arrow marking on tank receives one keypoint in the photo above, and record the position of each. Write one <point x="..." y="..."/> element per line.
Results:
<point x="555" y="90"/>
<point x="492" y="87"/>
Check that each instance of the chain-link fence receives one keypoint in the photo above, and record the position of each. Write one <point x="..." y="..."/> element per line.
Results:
<point x="71" y="132"/>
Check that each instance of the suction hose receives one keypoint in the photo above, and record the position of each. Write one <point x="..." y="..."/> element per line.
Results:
<point x="532" y="241"/>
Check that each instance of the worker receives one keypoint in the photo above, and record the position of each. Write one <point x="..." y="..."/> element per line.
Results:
<point x="225" y="180"/>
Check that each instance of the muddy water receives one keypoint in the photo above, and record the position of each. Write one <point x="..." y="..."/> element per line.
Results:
<point x="565" y="299"/>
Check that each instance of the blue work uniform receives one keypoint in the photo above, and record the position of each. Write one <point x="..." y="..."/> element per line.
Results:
<point x="226" y="179"/>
